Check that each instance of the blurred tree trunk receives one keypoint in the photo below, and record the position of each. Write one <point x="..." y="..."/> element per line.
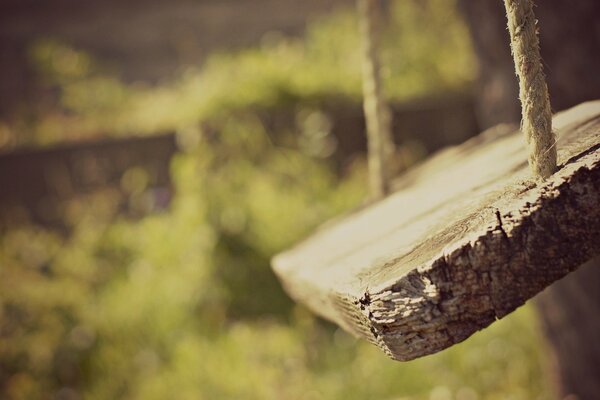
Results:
<point x="570" y="39"/>
<point x="569" y="311"/>
<point x="497" y="88"/>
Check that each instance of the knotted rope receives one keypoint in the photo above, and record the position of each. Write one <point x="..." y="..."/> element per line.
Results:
<point x="536" y="122"/>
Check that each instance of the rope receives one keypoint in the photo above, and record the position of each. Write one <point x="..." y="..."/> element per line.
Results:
<point x="377" y="115"/>
<point x="536" y="122"/>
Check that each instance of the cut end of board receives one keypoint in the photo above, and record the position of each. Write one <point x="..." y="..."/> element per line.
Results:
<point x="468" y="239"/>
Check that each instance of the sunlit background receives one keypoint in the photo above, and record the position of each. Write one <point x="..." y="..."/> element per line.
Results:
<point x="155" y="155"/>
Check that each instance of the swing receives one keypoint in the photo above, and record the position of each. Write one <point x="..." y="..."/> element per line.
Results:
<point x="470" y="234"/>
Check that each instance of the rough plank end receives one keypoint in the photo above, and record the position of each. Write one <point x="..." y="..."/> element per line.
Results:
<point x="467" y="240"/>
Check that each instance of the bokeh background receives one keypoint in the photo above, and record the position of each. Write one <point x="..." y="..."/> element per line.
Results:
<point x="154" y="156"/>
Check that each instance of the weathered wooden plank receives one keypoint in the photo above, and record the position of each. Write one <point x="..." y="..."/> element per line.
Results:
<point x="467" y="237"/>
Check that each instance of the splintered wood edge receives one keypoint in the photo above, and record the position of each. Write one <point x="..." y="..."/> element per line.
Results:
<point x="544" y="236"/>
<point x="536" y="236"/>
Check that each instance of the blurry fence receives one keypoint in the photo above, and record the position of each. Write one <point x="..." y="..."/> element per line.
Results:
<point x="35" y="183"/>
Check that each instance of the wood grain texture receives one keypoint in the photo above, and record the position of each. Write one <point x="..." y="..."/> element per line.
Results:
<point x="466" y="238"/>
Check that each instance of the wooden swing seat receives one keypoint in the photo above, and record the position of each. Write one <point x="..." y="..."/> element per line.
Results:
<point x="464" y="239"/>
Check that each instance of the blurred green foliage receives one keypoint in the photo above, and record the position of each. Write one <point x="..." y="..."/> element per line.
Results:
<point x="426" y="51"/>
<point x="182" y="304"/>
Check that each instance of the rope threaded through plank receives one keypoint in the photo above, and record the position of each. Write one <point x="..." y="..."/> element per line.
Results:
<point x="536" y="122"/>
<point x="377" y="114"/>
